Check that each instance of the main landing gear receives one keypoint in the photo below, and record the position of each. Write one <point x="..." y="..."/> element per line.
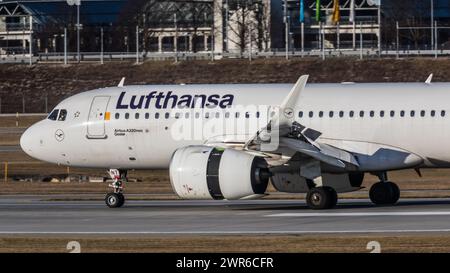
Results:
<point x="116" y="199"/>
<point x="321" y="198"/>
<point x="384" y="192"/>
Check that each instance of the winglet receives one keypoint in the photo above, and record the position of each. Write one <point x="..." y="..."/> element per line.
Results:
<point x="428" y="81"/>
<point x="291" y="99"/>
<point x="122" y="82"/>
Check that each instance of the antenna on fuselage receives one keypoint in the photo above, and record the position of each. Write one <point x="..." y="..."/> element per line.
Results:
<point x="121" y="83"/>
<point x="428" y="81"/>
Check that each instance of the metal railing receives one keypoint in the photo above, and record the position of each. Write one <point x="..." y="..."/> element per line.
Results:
<point x="21" y="55"/>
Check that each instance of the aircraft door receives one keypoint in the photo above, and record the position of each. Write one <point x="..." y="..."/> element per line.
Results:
<point x="97" y="117"/>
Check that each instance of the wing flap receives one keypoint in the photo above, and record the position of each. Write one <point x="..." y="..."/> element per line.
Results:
<point x="309" y="150"/>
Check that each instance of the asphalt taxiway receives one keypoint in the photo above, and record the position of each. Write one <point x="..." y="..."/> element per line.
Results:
<point x="39" y="215"/>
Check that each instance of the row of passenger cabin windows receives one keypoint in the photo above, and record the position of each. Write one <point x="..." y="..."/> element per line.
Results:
<point x="301" y="114"/>
<point x="372" y="114"/>
<point x="57" y="114"/>
<point x="167" y="115"/>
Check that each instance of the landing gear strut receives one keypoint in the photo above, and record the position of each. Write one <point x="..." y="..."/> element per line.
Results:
<point x="321" y="198"/>
<point x="116" y="199"/>
<point x="384" y="192"/>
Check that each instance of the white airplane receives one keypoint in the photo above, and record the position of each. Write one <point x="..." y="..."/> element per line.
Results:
<point x="227" y="141"/>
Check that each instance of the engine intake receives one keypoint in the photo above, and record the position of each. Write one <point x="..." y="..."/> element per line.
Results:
<point x="202" y="172"/>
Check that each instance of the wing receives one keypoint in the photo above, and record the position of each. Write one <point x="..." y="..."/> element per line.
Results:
<point x="283" y="138"/>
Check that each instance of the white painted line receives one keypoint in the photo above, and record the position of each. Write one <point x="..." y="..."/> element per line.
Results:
<point x="357" y="231"/>
<point x="361" y="214"/>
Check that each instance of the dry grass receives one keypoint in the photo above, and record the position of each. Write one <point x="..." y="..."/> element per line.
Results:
<point x="9" y="139"/>
<point x="37" y="81"/>
<point x="231" y="243"/>
<point x="22" y="121"/>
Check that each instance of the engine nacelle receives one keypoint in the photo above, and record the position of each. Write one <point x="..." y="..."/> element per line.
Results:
<point x="202" y="172"/>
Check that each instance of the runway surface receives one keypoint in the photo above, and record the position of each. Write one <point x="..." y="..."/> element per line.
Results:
<point x="34" y="215"/>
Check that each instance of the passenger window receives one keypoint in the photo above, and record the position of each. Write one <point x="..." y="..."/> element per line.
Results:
<point x="197" y="115"/>
<point x="372" y="114"/>
<point x="392" y="114"/>
<point x="147" y="115"/>
<point x="53" y="115"/>
<point x="422" y="113"/>
<point x="433" y="113"/>
<point x="136" y="116"/>
<point x="442" y="113"/>
<point x="62" y="115"/>
<point x="351" y="113"/>
<point x="413" y="113"/>
<point x="177" y="115"/>
<point x="311" y="114"/>
<point x="381" y="113"/>
<point x="257" y="114"/>
<point x="127" y="115"/>
<point x="361" y="114"/>
<point x="186" y="115"/>
<point x="207" y="115"/>
<point x="227" y="114"/>
<point x="217" y="115"/>
<point x="331" y="114"/>
<point x="300" y="114"/>
<point x="320" y="114"/>
<point x="156" y="115"/>
<point x="402" y="113"/>
<point x="341" y="114"/>
<point x="117" y="115"/>
<point x="166" y="115"/>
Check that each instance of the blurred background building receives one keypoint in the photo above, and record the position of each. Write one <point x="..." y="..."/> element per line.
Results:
<point x="221" y="27"/>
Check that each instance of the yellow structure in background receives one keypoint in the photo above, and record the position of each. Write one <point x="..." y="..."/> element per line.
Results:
<point x="336" y="12"/>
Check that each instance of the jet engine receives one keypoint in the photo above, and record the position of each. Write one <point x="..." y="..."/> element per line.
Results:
<point x="202" y="172"/>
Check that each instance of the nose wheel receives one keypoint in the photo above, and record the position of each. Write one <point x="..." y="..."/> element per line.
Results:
<point x="116" y="198"/>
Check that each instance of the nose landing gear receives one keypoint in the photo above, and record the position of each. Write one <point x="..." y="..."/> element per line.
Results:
<point x="116" y="199"/>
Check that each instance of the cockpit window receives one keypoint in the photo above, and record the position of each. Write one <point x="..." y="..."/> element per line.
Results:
<point x="62" y="115"/>
<point x="53" y="115"/>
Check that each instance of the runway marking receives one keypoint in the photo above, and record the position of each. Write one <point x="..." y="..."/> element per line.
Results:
<point x="358" y="231"/>
<point x="360" y="214"/>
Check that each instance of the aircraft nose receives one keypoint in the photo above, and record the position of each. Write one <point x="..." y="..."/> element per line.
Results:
<point x="27" y="141"/>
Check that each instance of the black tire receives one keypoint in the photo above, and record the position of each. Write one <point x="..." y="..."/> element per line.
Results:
<point x="395" y="192"/>
<point x="384" y="193"/>
<point x="334" y="197"/>
<point x="321" y="198"/>
<point x="114" y="200"/>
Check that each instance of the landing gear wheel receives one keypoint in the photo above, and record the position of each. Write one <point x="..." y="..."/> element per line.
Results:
<point x="334" y="197"/>
<point x="384" y="193"/>
<point x="122" y="199"/>
<point x="114" y="200"/>
<point x="395" y="191"/>
<point x="321" y="198"/>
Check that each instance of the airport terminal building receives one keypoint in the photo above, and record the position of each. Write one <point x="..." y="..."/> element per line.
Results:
<point x="221" y="26"/>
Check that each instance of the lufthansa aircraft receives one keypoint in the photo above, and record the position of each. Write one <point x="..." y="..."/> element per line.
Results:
<point x="228" y="141"/>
